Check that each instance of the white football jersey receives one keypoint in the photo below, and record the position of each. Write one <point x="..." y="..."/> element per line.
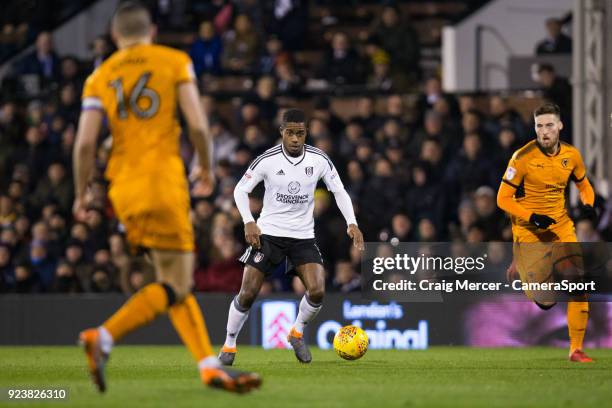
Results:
<point x="290" y="183"/>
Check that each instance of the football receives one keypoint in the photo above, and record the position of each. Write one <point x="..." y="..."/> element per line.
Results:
<point x="351" y="342"/>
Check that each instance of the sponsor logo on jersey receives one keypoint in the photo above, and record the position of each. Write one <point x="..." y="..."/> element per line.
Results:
<point x="294" y="187"/>
<point x="309" y="170"/>
<point x="292" y="199"/>
<point x="280" y="172"/>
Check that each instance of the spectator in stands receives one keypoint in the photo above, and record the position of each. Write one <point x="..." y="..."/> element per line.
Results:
<point x="240" y="47"/>
<point x="556" y="42"/>
<point x="384" y="185"/>
<point x="43" y="266"/>
<point x="400" y="40"/>
<point x="206" y="50"/>
<point x="433" y="155"/>
<point x="288" y="80"/>
<point x="273" y="55"/>
<point x="69" y="105"/>
<point x="7" y="271"/>
<point x="43" y="61"/>
<point x="224" y="142"/>
<point x="433" y="127"/>
<point x="508" y="144"/>
<point x="25" y="280"/>
<point x="7" y="211"/>
<point x="558" y="90"/>
<point x="502" y="116"/>
<point x="289" y="22"/>
<point x="367" y="117"/>
<point x="470" y="169"/>
<point x="224" y="272"/>
<point x="70" y="72"/>
<point x="432" y="92"/>
<point x="341" y="64"/>
<point x="489" y="217"/>
<point x="346" y="279"/>
<point x="102" y="280"/>
<point x="380" y="77"/>
<point x="427" y="231"/>
<point x="401" y="228"/>
<point x="352" y="134"/>
<point x="33" y="156"/>
<point x="101" y="49"/>
<point x="65" y="279"/>
<point x="425" y="198"/>
<point x="265" y="91"/>
<point x="466" y="217"/>
<point x="56" y="186"/>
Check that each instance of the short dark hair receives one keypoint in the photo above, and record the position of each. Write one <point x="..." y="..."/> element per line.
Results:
<point x="547" y="108"/>
<point x="293" y="115"/>
<point x="546" y="67"/>
<point x="132" y="19"/>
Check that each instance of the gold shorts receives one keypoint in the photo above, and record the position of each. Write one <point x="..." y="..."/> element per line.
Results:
<point x="155" y="213"/>
<point x="548" y="262"/>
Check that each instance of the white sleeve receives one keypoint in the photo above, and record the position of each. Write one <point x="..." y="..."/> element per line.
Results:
<point x="242" y="202"/>
<point x="247" y="183"/>
<point x="344" y="203"/>
<point x="332" y="178"/>
<point x="250" y="179"/>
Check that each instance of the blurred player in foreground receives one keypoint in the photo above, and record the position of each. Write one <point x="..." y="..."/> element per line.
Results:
<point x="138" y="89"/>
<point x="533" y="193"/>
<point x="284" y="231"/>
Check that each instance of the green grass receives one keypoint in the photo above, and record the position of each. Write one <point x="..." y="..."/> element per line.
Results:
<point x="164" y="376"/>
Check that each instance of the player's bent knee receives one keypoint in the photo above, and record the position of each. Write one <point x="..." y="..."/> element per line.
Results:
<point x="315" y="295"/>
<point x="246" y="297"/>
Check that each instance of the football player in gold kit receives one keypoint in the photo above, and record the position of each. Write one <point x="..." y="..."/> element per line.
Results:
<point x="138" y="89"/>
<point x="533" y="193"/>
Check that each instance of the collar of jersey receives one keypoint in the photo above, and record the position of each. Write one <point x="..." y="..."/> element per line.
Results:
<point x="298" y="159"/>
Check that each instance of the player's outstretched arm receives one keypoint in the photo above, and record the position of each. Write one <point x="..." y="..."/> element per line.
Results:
<point x="344" y="203"/>
<point x="506" y="202"/>
<point x="84" y="154"/>
<point x="587" y="194"/>
<point x="198" y="129"/>
<point x="251" y="230"/>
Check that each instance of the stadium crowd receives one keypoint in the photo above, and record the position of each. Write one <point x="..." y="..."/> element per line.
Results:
<point x="421" y="171"/>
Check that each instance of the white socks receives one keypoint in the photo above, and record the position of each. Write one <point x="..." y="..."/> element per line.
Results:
<point x="235" y="320"/>
<point x="106" y="340"/>
<point x="307" y="313"/>
<point x="209" y="362"/>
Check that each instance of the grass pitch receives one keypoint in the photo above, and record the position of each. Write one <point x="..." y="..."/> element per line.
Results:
<point x="164" y="376"/>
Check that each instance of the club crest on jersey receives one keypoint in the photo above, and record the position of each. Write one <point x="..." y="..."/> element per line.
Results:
<point x="564" y="163"/>
<point x="258" y="257"/>
<point x="309" y="170"/>
<point x="294" y="187"/>
<point x="510" y="173"/>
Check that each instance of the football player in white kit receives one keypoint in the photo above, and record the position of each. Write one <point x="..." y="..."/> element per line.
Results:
<point x="285" y="229"/>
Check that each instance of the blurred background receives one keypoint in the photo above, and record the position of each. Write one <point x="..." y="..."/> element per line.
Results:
<point x="420" y="105"/>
